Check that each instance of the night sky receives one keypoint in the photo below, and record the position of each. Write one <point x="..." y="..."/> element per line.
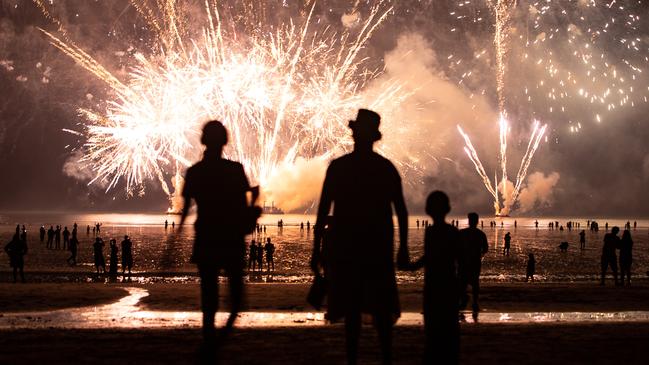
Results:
<point x="604" y="169"/>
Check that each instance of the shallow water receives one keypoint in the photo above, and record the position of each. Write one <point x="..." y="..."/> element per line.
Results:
<point x="163" y="255"/>
<point x="125" y="313"/>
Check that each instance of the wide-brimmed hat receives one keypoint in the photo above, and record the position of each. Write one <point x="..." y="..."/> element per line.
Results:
<point x="366" y="124"/>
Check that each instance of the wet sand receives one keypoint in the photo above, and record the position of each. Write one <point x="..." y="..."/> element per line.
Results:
<point x="32" y="297"/>
<point x="481" y="344"/>
<point x="279" y="297"/>
<point x="495" y="297"/>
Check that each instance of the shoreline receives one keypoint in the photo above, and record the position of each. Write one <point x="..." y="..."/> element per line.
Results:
<point x="290" y="297"/>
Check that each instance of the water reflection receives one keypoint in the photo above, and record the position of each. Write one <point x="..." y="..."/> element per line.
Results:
<point x="125" y="313"/>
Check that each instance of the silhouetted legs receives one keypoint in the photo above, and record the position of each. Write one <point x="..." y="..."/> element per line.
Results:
<point x="383" y="324"/>
<point x="442" y="335"/>
<point x="606" y="262"/>
<point x="22" y="273"/>
<point x="474" y="281"/>
<point x="352" y="334"/>
<point x="625" y="271"/>
<point x="210" y="299"/>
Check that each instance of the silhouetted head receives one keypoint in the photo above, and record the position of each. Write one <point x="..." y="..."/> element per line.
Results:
<point x="365" y="128"/>
<point x="473" y="219"/>
<point x="214" y="135"/>
<point x="437" y="205"/>
<point x="125" y="237"/>
<point x="615" y="230"/>
<point x="626" y="235"/>
<point x="531" y="256"/>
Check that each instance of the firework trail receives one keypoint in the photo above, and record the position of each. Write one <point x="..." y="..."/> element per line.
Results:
<point x="565" y="45"/>
<point x="283" y="91"/>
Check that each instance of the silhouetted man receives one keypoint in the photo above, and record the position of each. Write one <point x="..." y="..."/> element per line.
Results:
<point x="362" y="186"/>
<point x="66" y="238"/>
<point x="473" y="246"/>
<point x="508" y="244"/>
<point x="609" y="258"/>
<point x="41" y="232"/>
<point x="127" y="255"/>
<point x="442" y="245"/>
<point x="57" y="237"/>
<point x="252" y="255"/>
<point x="219" y="187"/>
<point x="582" y="239"/>
<point x="73" y="246"/>
<point x="270" y="250"/>
<point x="50" y="237"/>
<point x="17" y="249"/>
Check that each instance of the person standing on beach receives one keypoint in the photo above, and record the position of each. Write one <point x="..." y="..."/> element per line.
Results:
<point x="73" y="246"/>
<point x="219" y="187"/>
<point x="260" y="256"/>
<point x="88" y="230"/>
<point x="508" y="240"/>
<point x="442" y="248"/>
<point x="41" y="232"/>
<point x="531" y="267"/>
<point x="17" y="249"/>
<point x="582" y="239"/>
<point x="252" y="255"/>
<point x="362" y="186"/>
<point x="50" y="237"/>
<point x="127" y="255"/>
<point x="66" y="238"/>
<point x="57" y="237"/>
<point x="270" y="250"/>
<point x="611" y="243"/>
<point x="473" y="247"/>
<point x="626" y="257"/>
<point x="98" y="253"/>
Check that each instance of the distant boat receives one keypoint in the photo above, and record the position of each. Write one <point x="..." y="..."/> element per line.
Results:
<point x="272" y="209"/>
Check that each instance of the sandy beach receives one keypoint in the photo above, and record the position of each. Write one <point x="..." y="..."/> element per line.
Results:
<point x="531" y="343"/>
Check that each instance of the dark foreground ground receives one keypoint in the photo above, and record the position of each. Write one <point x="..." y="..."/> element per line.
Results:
<point x="482" y="344"/>
<point x="540" y="343"/>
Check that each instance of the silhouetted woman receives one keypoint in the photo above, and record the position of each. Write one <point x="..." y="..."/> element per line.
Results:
<point x="626" y="256"/>
<point x="98" y="249"/>
<point x="127" y="255"/>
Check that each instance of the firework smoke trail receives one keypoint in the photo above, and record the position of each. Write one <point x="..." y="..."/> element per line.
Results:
<point x="283" y="93"/>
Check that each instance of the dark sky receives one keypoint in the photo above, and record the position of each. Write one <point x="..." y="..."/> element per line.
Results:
<point x="604" y="169"/>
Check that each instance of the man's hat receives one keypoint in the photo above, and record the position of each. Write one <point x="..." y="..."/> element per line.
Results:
<point x="366" y="124"/>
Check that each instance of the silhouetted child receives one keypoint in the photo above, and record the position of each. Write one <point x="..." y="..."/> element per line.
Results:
<point x="441" y="300"/>
<point x="531" y="267"/>
<point x="508" y="240"/>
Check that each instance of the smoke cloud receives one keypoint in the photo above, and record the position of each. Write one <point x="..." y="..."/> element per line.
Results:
<point x="538" y="192"/>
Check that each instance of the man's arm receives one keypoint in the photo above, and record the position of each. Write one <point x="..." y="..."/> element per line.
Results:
<point x="187" y="197"/>
<point x="485" y="244"/>
<point x="403" y="257"/>
<point x="323" y="211"/>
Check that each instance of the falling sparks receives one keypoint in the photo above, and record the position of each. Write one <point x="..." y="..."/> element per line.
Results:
<point x="284" y="92"/>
